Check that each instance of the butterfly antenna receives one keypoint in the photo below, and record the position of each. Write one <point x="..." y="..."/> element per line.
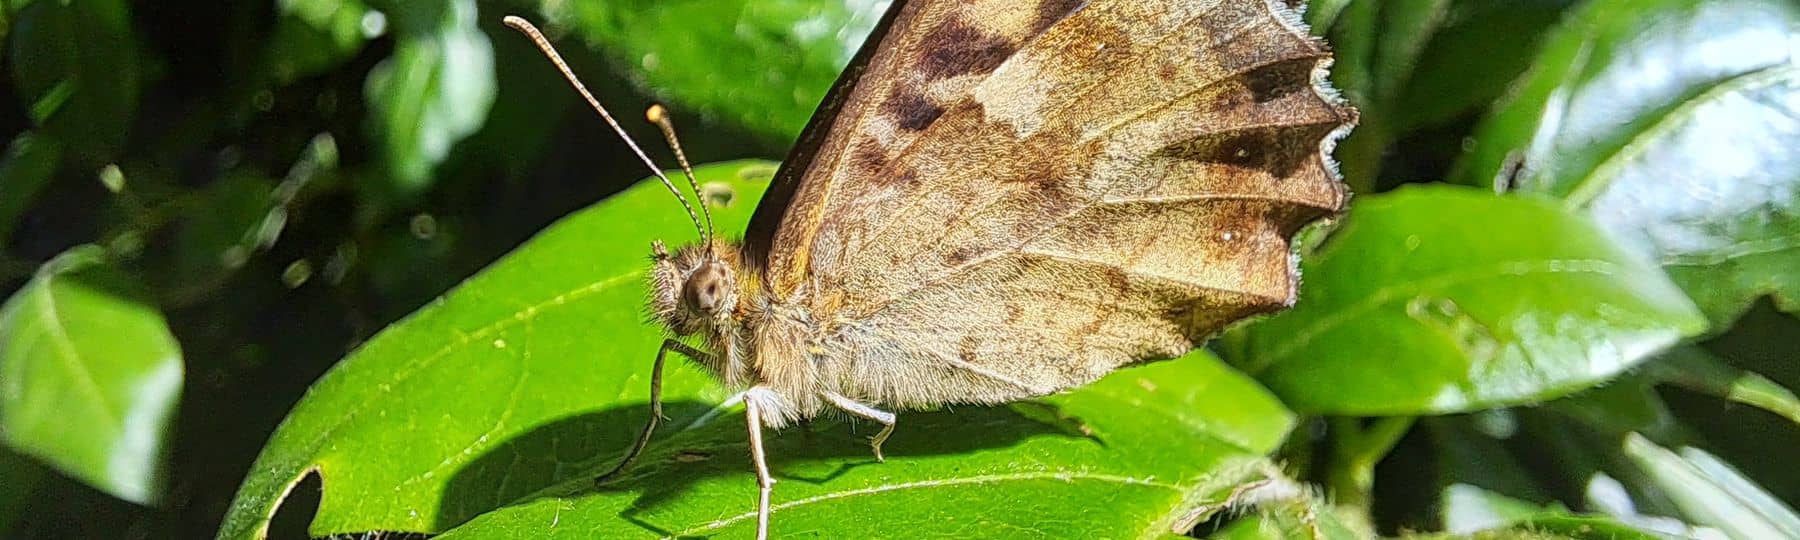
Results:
<point x="543" y="44"/>
<point x="660" y="116"/>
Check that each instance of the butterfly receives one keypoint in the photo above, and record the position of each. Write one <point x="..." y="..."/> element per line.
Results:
<point x="1003" y="199"/>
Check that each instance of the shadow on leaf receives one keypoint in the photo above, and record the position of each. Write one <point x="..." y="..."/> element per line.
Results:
<point x="560" y="459"/>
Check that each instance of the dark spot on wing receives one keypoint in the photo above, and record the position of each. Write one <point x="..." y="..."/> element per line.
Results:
<point x="906" y="176"/>
<point x="1050" y="11"/>
<point x="962" y="254"/>
<point x="1274" y="81"/>
<point x="912" y="111"/>
<point x="959" y="49"/>
<point x="868" y="159"/>
<point x="1277" y="150"/>
<point x="968" y="347"/>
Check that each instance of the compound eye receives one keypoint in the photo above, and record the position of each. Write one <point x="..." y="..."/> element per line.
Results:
<point x="704" y="288"/>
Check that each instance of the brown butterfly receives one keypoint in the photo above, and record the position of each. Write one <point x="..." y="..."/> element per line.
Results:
<point x="1002" y="199"/>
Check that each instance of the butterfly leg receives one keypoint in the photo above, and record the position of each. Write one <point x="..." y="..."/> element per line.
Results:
<point x="765" y="483"/>
<point x="656" y="413"/>
<point x="864" y="411"/>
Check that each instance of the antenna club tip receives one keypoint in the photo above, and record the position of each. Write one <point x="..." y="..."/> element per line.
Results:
<point x="656" y="114"/>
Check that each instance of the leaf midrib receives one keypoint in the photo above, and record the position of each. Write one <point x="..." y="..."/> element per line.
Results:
<point x="1595" y="182"/>
<point x="1068" y="476"/>
<point x="53" y="326"/>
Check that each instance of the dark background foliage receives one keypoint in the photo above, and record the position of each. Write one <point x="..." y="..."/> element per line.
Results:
<point x="243" y="193"/>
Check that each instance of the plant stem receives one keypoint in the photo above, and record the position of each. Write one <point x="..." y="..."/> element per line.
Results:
<point x="1355" y="452"/>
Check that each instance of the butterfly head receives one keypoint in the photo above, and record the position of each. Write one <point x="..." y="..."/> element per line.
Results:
<point x="696" y="289"/>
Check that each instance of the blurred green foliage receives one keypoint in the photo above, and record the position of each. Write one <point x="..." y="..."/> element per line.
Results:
<point x="204" y="207"/>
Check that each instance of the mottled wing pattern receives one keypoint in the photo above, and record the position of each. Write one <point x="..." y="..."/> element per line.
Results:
<point x="924" y="57"/>
<point x="1121" y="185"/>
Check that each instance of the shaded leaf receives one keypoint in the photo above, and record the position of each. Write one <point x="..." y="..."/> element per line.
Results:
<point x="1627" y="404"/>
<point x="1672" y="122"/>
<point x="75" y="71"/>
<point x="1470" y="451"/>
<point x="1476" y="50"/>
<point x="1698" y="370"/>
<point x="1404" y="311"/>
<point x="500" y="402"/>
<point x="89" y="377"/>
<point x="762" y="65"/>
<point x="314" y="36"/>
<point x="223" y="228"/>
<point x="434" y="91"/>
<point x="28" y="166"/>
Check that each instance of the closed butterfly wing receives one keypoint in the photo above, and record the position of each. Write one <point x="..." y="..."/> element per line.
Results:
<point x="1025" y="196"/>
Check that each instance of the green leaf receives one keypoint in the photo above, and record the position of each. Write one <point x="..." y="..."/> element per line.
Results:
<point x="75" y="70"/>
<point x="434" y="91"/>
<point x="1377" y="45"/>
<point x="1099" y="467"/>
<point x="499" y="402"/>
<point x="763" y="65"/>
<point x="1477" y="48"/>
<point x="1440" y="299"/>
<point x="1711" y="493"/>
<point x="222" y="228"/>
<point x="89" y="377"/>
<point x="315" y="36"/>
<point x="1479" y="513"/>
<point x="1468" y="509"/>
<point x="29" y="164"/>
<point x="1694" y="368"/>
<point x="1626" y="404"/>
<point x="1671" y="122"/>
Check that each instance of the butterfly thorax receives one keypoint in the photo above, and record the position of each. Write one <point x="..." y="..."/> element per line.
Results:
<point x="708" y="292"/>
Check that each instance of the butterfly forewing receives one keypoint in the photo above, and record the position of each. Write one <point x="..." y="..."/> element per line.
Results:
<point x="1014" y="201"/>
<point x="902" y="81"/>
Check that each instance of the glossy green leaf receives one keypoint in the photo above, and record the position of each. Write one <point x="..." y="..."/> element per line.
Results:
<point x="89" y="377"/>
<point x="1127" y="456"/>
<point x="763" y="65"/>
<point x="29" y="163"/>
<point x="1711" y="493"/>
<point x="499" y="402"/>
<point x="1672" y="123"/>
<point x="75" y="72"/>
<point x="1440" y="299"/>
<point x="434" y="91"/>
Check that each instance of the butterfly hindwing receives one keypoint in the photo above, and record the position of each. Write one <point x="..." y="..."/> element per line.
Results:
<point x="1017" y="198"/>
